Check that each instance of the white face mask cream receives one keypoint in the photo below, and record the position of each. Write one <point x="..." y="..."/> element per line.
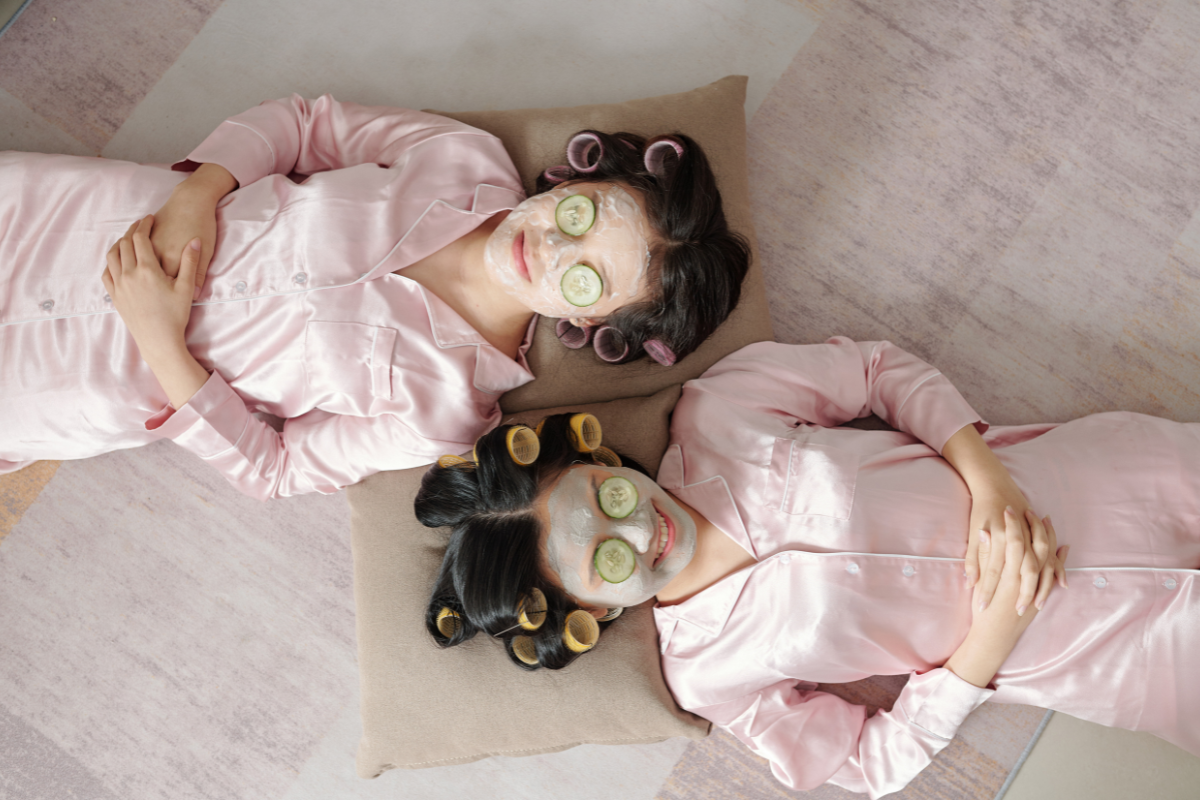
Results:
<point x="528" y="254"/>
<point x="660" y="534"/>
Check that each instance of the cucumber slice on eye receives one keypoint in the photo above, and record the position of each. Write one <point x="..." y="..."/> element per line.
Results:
<point x="575" y="215"/>
<point x="615" y="561"/>
<point x="618" y="497"/>
<point x="582" y="285"/>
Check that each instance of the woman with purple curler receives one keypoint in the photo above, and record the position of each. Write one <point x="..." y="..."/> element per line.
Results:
<point x="368" y="275"/>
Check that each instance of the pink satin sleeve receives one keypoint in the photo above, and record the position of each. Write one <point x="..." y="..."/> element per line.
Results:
<point x="839" y="381"/>
<point x="812" y="737"/>
<point x="316" y="452"/>
<point x="280" y="137"/>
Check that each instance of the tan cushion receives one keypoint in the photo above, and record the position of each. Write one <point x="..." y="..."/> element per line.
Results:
<point x="714" y="116"/>
<point x="423" y="706"/>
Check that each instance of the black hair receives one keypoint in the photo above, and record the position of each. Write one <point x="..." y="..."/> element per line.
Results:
<point x="496" y="555"/>
<point x="697" y="263"/>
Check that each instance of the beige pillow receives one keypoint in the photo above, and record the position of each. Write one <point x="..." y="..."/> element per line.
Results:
<point x="425" y="707"/>
<point x="714" y="116"/>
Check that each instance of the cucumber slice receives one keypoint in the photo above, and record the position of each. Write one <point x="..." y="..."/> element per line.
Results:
<point x="618" y="497"/>
<point x="575" y="215"/>
<point x="582" y="286"/>
<point x="615" y="561"/>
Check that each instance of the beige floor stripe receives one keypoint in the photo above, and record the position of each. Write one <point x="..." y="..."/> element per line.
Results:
<point x="19" y="489"/>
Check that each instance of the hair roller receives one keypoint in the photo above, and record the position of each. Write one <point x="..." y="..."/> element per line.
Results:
<point x="557" y="174"/>
<point x="586" y="432"/>
<point x="524" y="649"/>
<point x="580" y="147"/>
<point x="606" y="457"/>
<point x="656" y="154"/>
<point x="609" y="344"/>
<point x="446" y="462"/>
<point x="581" y="632"/>
<point x="523" y="445"/>
<point x="572" y="336"/>
<point x="659" y="352"/>
<point x="531" y="610"/>
<point x="449" y="622"/>
<point x="612" y="614"/>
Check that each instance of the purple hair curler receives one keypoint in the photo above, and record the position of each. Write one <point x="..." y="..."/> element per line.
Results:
<point x="656" y="154"/>
<point x="609" y="344"/>
<point x="557" y="174"/>
<point x="659" y="352"/>
<point x="580" y="147"/>
<point x="572" y="336"/>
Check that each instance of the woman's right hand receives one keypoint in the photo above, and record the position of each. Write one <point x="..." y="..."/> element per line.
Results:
<point x="191" y="213"/>
<point x="995" y="629"/>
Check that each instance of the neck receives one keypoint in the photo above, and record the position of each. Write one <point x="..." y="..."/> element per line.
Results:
<point x="458" y="276"/>
<point x="716" y="557"/>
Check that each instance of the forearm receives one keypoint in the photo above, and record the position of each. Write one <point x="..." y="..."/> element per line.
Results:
<point x="178" y="372"/>
<point x="974" y="460"/>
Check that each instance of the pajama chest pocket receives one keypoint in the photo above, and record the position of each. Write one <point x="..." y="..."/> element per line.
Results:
<point x="812" y="479"/>
<point x="349" y="358"/>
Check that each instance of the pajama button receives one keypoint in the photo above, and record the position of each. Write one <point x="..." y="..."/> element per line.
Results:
<point x="1100" y="583"/>
<point x="1169" y="584"/>
<point x="908" y="571"/>
<point x="852" y="568"/>
<point x="47" y="305"/>
<point x="300" y="278"/>
<point x="240" y="287"/>
<point x="107" y="299"/>
<point x="785" y="559"/>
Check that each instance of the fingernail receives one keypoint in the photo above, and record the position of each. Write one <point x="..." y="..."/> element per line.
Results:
<point x="1021" y="611"/>
<point x="196" y="293"/>
<point x="1047" y="520"/>
<point x="1039" y="604"/>
<point x="984" y="537"/>
<point x="194" y="244"/>
<point x="983" y="605"/>
<point x="1009" y="510"/>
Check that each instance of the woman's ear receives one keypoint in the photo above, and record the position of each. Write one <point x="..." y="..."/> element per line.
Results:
<point x="585" y="322"/>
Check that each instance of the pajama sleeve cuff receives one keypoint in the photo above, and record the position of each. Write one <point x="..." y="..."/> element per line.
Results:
<point x="939" y="701"/>
<point x="238" y="148"/>
<point x="210" y="423"/>
<point x="935" y="411"/>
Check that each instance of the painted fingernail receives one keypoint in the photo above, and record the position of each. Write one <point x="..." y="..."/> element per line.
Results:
<point x="1021" y="611"/>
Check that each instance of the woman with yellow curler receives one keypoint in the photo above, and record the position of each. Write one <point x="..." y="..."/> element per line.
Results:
<point x="785" y="551"/>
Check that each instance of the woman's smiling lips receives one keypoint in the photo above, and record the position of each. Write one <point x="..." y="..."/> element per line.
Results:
<point x="665" y="546"/>
<point x="518" y="250"/>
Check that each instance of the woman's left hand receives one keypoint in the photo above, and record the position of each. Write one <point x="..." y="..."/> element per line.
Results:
<point x="154" y="306"/>
<point x="988" y="503"/>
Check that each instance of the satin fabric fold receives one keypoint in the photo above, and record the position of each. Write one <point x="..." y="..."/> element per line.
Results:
<point x="836" y="597"/>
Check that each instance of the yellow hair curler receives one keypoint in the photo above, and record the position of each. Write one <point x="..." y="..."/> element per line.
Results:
<point x="448" y="622"/>
<point x="581" y="632"/>
<point x="524" y="649"/>
<point x="523" y="445"/>
<point x="531" y="610"/>
<point x="606" y="458"/>
<point x="445" y="462"/>
<point x="585" y="432"/>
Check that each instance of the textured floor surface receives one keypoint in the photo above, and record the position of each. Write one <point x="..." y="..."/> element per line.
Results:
<point x="1008" y="189"/>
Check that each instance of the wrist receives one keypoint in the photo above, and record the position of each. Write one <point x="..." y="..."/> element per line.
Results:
<point x="208" y="184"/>
<point x="973" y="663"/>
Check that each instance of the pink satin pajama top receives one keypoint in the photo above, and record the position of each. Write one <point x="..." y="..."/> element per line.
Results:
<point x="859" y="538"/>
<point x="300" y="317"/>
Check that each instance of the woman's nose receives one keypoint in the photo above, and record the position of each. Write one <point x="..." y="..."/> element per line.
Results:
<point x="638" y="537"/>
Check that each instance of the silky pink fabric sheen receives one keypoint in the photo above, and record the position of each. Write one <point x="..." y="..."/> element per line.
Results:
<point x="300" y="317"/>
<point x="859" y="538"/>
